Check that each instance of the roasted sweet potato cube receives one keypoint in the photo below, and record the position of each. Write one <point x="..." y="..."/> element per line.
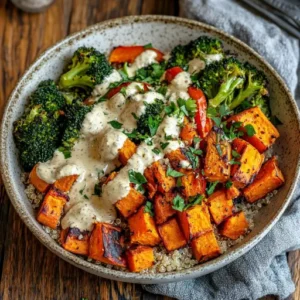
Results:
<point x="237" y="145"/>
<point x="110" y="177"/>
<point x="140" y="258"/>
<point x="234" y="226"/>
<point x="129" y="204"/>
<point x="65" y="183"/>
<point x="75" y="241"/>
<point x="219" y="206"/>
<point x="195" y="221"/>
<point x="128" y="149"/>
<point x="142" y="228"/>
<point x="250" y="163"/>
<point x="164" y="183"/>
<point x="265" y="132"/>
<point x="151" y="182"/>
<point x="176" y="157"/>
<point x="37" y="182"/>
<point x="216" y="163"/>
<point x="193" y="184"/>
<point x="163" y="207"/>
<point x="232" y="193"/>
<point x="268" y="179"/>
<point x="188" y="132"/>
<point x="105" y="245"/>
<point x="205" y="247"/>
<point x="171" y="235"/>
<point x="52" y="208"/>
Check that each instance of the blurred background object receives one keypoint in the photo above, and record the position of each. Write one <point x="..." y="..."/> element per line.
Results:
<point x="33" y="6"/>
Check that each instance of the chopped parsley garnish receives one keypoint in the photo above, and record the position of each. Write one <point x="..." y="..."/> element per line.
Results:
<point x="156" y="150"/>
<point x="164" y="145"/>
<point x="97" y="189"/>
<point x="162" y="90"/>
<point x="85" y="197"/>
<point x="123" y="91"/>
<point x="192" y="155"/>
<point x="178" y="203"/>
<point x="149" y="208"/>
<point x="115" y="124"/>
<point x="148" y="46"/>
<point x="218" y="147"/>
<point x="234" y="162"/>
<point x="136" y="177"/>
<point x="228" y="184"/>
<point x="173" y="173"/>
<point x="250" y="130"/>
<point x="235" y="154"/>
<point x="211" y="187"/>
<point x="194" y="201"/>
<point x="196" y="140"/>
<point x="124" y="72"/>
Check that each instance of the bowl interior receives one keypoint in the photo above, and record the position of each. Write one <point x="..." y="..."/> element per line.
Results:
<point x="164" y="33"/>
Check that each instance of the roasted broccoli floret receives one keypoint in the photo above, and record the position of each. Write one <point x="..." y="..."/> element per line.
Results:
<point x="205" y="48"/>
<point x="255" y="84"/>
<point x="75" y="115"/>
<point x="48" y="96"/>
<point x="178" y="57"/>
<point x="37" y="135"/>
<point x="221" y="80"/>
<point x="88" y="68"/>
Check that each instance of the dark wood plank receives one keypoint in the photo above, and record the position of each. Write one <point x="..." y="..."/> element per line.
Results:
<point x="27" y="269"/>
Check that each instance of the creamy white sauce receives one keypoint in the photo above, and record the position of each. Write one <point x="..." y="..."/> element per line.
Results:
<point x="101" y="89"/>
<point x="96" y="151"/>
<point x="196" y="65"/>
<point x="213" y="57"/>
<point x="145" y="59"/>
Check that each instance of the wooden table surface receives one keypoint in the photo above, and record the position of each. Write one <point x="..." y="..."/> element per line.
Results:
<point x="27" y="269"/>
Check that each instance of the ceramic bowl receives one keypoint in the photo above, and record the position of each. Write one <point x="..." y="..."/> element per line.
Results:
<point x="164" y="33"/>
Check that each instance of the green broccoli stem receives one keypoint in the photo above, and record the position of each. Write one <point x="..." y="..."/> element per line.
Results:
<point x="243" y="95"/>
<point x="225" y="90"/>
<point x="77" y="81"/>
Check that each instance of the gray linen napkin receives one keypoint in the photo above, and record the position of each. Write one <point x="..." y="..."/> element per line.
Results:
<point x="264" y="269"/>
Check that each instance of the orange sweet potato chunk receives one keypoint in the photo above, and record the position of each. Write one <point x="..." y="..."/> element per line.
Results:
<point x="164" y="183"/>
<point x="193" y="184"/>
<point x="172" y="235"/>
<point x="234" y="226"/>
<point x="75" y="241"/>
<point x="205" y="247"/>
<point x="175" y="158"/>
<point x="151" y="184"/>
<point x="250" y="164"/>
<point x="232" y="193"/>
<point x="37" y="182"/>
<point x="52" y="208"/>
<point x="129" y="204"/>
<point x="219" y="206"/>
<point x="216" y="166"/>
<point x="105" y="245"/>
<point x="128" y="149"/>
<point x="143" y="229"/>
<point x="65" y="183"/>
<point x="268" y="179"/>
<point x="266" y="133"/>
<point x="163" y="207"/>
<point x="188" y="132"/>
<point x="195" y="221"/>
<point x="140" y="258"/>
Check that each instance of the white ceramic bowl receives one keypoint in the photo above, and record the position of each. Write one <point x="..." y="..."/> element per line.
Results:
<point x="164" y="33"/>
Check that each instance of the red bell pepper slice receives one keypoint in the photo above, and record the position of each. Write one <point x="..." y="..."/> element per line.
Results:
<point x="117" y="89"/>
<point x="128" y="54"/>
<point x="204" y="124"/>
<point x="172" y="72"/>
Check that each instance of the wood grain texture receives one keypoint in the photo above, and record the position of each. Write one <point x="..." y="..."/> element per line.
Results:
<point x="27" y="269"/>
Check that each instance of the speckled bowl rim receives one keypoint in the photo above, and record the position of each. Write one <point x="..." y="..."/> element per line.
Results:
<point x="99" y="270"/>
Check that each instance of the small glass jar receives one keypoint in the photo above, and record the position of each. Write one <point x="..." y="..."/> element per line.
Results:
<point x="32" y="6"/>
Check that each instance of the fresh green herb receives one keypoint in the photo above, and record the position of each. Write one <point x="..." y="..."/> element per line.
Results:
<point x="250" y="130"/>
<point x="156" y="150"/>
<point x="136" y="177"/>
<point x="115" y="124"/>
<point x="173" y="173"/>
<point x="150" y="74"/>
<point x="168" y="137"/>
<point x="188" y="107"/>
<point x="211" y="187"/>
<point x="140" y="189"/>
<point x="217" y="120"/>
<point x="148" y="141"/>
<point x="218" y="147"/>
<point x="194" y="201"/>
<point x="179" y="182"/>
<point x="148" y="46"/>
<point x="135" y="116"/>
<point x="85" y="197"/>
<point x="164" y="145"/>
<point x="162" y="90"/>
<point x="228" y="184"/>
<point x="196" y="140"/>
<point x="123" y="91"/>
<point x="235" y="154"/>
<point x="97" y="189"/>
<point x="234" y="162"/>
<point x="178" y="203"/>
<point x="192" y="155"/>
<point x="171" y="109"/>
<point x="153" y="124"/>
<point x="124" y="72"/>
<point x="149" y="208"/>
